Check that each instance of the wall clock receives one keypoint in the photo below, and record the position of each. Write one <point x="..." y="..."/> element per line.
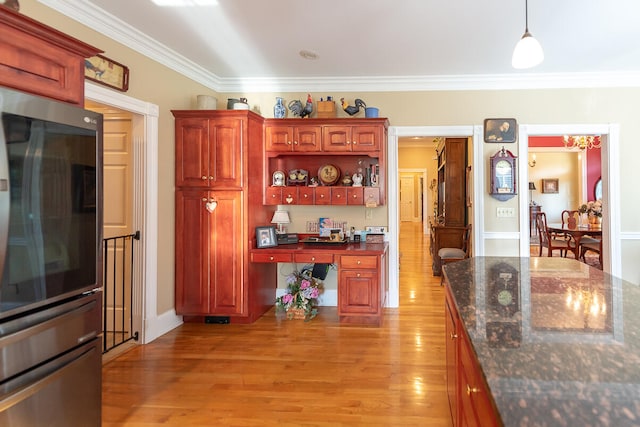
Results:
<point x="503" y="175"/>
<point x="328" y="174"/>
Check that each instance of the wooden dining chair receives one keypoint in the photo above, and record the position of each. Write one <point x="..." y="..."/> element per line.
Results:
<point x="570" y="218"/>
<point x="448" y="255"/>
<point x="594" y="246"/>
<point x="551" y="241"/>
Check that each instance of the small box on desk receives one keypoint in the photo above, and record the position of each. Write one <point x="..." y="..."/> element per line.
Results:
<point x="326" y="109"/>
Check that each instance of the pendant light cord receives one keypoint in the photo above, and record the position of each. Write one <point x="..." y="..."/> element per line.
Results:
<point x="526" y="16"/>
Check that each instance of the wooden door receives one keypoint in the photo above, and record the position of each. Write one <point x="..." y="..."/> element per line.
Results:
<point x="225" y="252"/>
<point x="192" y="248"/>
<point x="118" y="215"/>
<point x="407" y="196"/>
<point x="225" y="153"/>
<point x="192" y="152"/>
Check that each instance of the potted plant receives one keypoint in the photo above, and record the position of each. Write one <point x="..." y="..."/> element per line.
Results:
<point x="301" y="297"/>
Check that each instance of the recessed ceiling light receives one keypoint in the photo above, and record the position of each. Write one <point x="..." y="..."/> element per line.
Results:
<point x="307" y="54"/>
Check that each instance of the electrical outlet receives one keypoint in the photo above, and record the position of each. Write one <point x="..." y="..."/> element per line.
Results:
<point x="368" y="213"/>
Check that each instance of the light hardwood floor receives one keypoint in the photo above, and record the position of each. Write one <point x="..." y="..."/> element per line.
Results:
<point x="291" y="373"/>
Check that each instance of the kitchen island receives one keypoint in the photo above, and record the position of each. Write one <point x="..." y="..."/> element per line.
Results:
<point x="541" y="342"/>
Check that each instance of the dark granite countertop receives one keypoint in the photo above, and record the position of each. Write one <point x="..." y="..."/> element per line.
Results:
<point x="558" y="341"/>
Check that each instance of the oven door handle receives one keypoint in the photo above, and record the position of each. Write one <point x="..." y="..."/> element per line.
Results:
<point x="4" y="193"/>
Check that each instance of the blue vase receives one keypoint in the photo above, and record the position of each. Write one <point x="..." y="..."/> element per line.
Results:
<point x="279" y="110"/>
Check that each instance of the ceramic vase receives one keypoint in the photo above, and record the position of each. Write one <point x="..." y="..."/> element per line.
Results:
<point x="279" y="110"/>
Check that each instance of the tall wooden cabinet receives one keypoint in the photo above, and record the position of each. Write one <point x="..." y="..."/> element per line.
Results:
<point x="218" y="207"/>
<point x="449" y="226"/>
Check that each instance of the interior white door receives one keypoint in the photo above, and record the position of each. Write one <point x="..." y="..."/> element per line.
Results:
<point x="407" y="198"/>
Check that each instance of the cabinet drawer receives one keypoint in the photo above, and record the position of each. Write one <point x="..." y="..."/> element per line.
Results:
<point x="270" y="257"/>
<point x="323" y="196"/>
<point x="321" y="258"/>
<point x="273" y="196"/>
<point x="355" y="261"/>
<point x="338" y="195"/>
<point x="305" y="195"/>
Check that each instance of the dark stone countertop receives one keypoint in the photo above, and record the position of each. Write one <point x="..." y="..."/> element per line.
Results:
<point x="558" y="341"/>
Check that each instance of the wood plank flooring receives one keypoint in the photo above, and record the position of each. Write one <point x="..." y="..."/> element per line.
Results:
<point x="291" y="373"/>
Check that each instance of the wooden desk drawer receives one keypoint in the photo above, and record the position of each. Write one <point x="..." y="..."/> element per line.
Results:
<point x="313" y="258"/>
<point x="355" y="261"/>
<point x="270" y="257"/>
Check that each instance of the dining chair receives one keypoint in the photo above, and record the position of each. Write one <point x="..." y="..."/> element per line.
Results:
<point x="551" y="241"/>
<point x="570" y="218"/>
<point x="595" y="246"/>
<point x="448" y="255"/>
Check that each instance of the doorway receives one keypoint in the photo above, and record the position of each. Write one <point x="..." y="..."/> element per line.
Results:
<point x="144" y="133"/>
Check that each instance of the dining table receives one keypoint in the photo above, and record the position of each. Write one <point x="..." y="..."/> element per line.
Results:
<point x="577" y="232"/>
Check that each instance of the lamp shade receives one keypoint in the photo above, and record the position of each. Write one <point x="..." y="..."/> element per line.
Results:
<point x="528" y="52"/>
<point x="280" y="217"/>
<point x="532" y="186"/>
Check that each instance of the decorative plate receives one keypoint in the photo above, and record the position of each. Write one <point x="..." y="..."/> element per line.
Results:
<point x="328" y="174"/>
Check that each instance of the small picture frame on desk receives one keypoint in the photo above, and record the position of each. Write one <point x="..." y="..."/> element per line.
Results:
<point x="266" y="237"/>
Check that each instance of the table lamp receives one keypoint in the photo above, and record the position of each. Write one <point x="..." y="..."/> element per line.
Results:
<point x="280" y="217"/>
<point x="532" y="187"/>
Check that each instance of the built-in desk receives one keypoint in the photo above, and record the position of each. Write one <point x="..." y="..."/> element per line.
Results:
<point x="362" y="274"/>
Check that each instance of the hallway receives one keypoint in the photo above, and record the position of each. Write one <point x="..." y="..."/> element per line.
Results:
<point x="291" y="373"/>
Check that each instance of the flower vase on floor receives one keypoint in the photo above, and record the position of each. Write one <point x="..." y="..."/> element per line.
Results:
<point x="279" y="110"/>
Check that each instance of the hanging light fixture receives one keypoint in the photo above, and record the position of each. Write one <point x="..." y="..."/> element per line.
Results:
<point x="528" y="52"/>
<point x="582" y="141"/>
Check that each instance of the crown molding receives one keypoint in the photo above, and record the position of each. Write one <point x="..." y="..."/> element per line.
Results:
<point x="99" y="20"/>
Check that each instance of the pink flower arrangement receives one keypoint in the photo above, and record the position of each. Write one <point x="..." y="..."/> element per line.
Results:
<point x="302" y="293"/>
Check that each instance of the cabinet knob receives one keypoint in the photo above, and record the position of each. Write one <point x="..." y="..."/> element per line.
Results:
<point x="204" y="178"/>
<point x="271" y="258"/>
<point x="358" y="275"/>
<point x="354" y="142"/>
<point x="453" y="336"/>
<point x="211" y="178"/>
<point x="471" y="390"/>
<point x="295" y="142"/>
<point x="305" y="196"/>
<point x="204" y="199"/>
<point x="322" y="196"/>
<point x="313" y="258"/>
<point x="337" y="196"/>
<point x="288" y="142"/>
<point x="358" y="262"/>
<point x="355" y="196"/>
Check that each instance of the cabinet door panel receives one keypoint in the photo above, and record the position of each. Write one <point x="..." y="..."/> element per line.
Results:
<point x="225" y="255"/>
<point x="336" y="138"/>
<point x="279" y="138"/>
<point x="192" y="152"/>
<point x="192" y="247"/>
<point x="307" y="138"/>
<point x="358" y="292"/>
<point x="225" y="151"/>
<point x="366" y="138"/>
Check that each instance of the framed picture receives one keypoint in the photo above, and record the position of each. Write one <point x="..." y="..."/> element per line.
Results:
<point x="550" y="185"/>
<point x="500" y="130"/>
<point x="105" y="71"/>
<point x="266" y="236"/>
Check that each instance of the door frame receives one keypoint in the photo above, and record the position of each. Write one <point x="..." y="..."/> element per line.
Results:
<point x="145" y="217"/>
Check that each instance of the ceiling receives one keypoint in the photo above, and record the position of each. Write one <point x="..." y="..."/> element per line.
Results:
<point x="374" y="45"/>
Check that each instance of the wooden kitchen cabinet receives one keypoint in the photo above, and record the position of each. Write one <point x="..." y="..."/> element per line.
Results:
<point x="469" y="399"/>
<point x="293" y="138"/>
<point x="209" y="152"/>
<point x="209" y="269"/>
<point x="362" y="288"/>
<point x="40" y="60"/>
<point x="309" y="144"/>
<point x="217" y="209"/>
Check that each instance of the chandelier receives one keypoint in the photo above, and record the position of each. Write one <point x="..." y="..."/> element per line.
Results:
<point x="582" y="141"/>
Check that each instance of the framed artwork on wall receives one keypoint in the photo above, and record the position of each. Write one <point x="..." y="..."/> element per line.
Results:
<point x="105" y="71"/>
<point x="550" y="185"/>
<point x="500" y="130"/>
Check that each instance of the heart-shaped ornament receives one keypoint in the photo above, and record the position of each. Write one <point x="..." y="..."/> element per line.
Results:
<point x="289" y="199"/>
<point x="211" y="206"/>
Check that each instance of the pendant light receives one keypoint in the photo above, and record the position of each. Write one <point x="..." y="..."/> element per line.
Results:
<point x="528" y="52"/>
